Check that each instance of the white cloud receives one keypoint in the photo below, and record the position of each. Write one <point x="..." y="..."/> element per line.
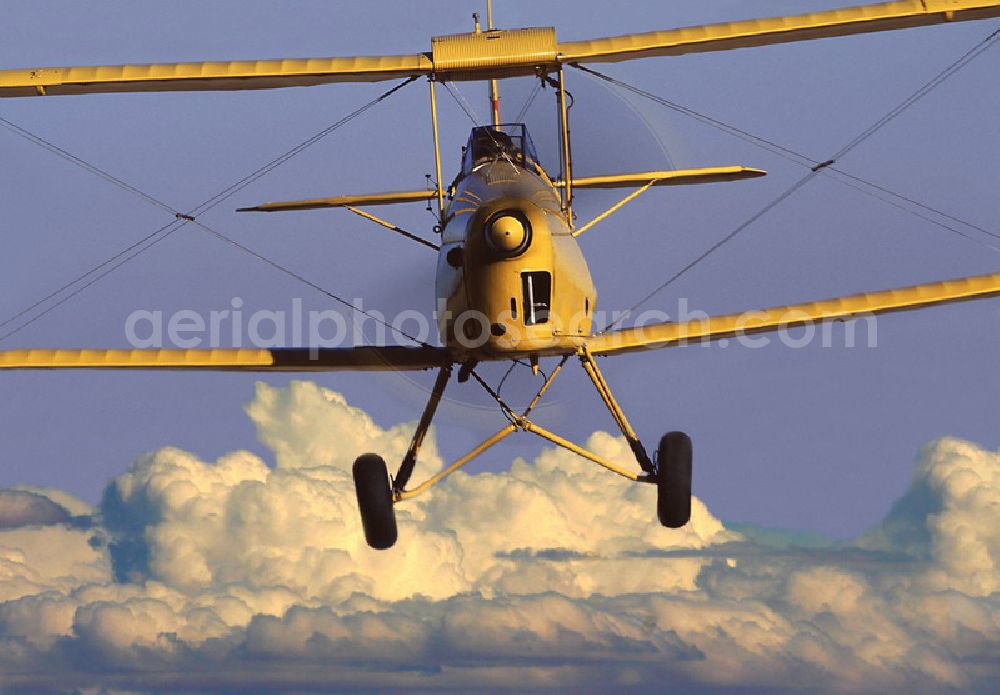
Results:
<point x="553" y="574"/>
<point x="24" y="508"/>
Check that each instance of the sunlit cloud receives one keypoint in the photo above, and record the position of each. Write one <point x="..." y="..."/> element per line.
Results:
<point x="230" y="575"/>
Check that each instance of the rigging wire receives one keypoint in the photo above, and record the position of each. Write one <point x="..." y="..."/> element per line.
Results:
<point x="815" y="171"/>
<point x="460" y="99"/>
<point x="893" y="199"/>
<point x="80" y="278"/>
<point x="462" y="102"/>
<point x="527" y="104"/>
<point x="181" y="219"/>
<point x="507" y="411"/>
<point x="306" y="281"/>
<point x="86" y="166"/>
<point x="305" y="144"/>
<point x="513" y="364"/>
<point x="918" y="204"/>
<point x="873" y="189"/>
<point x="20" y="327"/>
<point x="503" y="379"/>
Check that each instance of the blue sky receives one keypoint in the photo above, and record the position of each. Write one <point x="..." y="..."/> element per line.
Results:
<point x="816" y="438"/>
<point x="199" y="533"/>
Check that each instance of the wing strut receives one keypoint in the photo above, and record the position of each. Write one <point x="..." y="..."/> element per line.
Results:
<point x="390" y="226"/>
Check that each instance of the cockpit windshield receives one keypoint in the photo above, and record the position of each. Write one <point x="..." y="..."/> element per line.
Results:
<point x="508" y="141"/>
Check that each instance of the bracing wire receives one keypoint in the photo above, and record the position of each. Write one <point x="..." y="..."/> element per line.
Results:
<point x="473" y="116"/>
<point x="815" y="170"/>
<point x="305" y="281"/>
<point x="115" y="261"/>
<point x="109" y="268"/>
<point x="86" y="166"/>
<point x="840" y="175"/>
<point x="462" y="102"/>
<point x="177" y="222"/>
<point x="503" y="379"/>
<point x="528" y="102"/>
<point x="305" y="144"/>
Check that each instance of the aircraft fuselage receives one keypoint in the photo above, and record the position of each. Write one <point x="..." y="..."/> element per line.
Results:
<point x="511" y="278"/>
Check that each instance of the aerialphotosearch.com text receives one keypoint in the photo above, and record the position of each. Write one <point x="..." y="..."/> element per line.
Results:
<point x="238" y="327"/>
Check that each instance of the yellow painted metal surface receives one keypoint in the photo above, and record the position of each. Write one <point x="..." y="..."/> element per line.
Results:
<point x="776" y="318"/>
<point x="656" y="178"/>
<point x="458" y="463"/>
<point x="675" y="177"/>
<point x="613" y="209"/>
<point x="500" y="49"/>
<point x="506" y="233"/>
<point x="390" y="226"/>
<point x="487" y="55"/>
<point x="133" y="359"/>
<point x="529" y="426"/>
<point x="365" y="358"/>
<point x="217" y="75"/>
<point x="345" y="201"/>
<point x="438" y="182"/>
<point x="487" y="443"/>
<point x="660" y="178"/>
<point x="761" y="32"/>
<point x="567" y="156"/>
<point x="490" y="285"/>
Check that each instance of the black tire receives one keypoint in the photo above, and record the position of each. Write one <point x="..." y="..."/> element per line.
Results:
<point x="673" y="480"/>
<point x="371" y="482"/>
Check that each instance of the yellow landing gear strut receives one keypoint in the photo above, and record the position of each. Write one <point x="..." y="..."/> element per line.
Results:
<point x="521" y="421"/>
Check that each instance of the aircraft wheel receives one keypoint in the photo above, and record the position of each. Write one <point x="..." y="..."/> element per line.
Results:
<point x="371" y="482"/>
<point x="673" y="480"/>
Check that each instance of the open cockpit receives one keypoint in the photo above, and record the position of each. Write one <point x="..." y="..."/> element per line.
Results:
<point x="506" y="142"/>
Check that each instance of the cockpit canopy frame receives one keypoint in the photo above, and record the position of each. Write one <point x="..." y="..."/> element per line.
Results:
<point x="507" y="141"/>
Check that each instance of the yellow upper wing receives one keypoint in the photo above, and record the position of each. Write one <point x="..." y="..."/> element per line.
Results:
<point x="777" y="318"/>
<point x="844" y="21"/>
<point x="366" y="358"/>
<point x="219" y="75"/>
<point x="491" y="54"/>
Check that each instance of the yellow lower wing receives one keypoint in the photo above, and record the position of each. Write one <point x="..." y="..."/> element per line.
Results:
<point x="383" y="358"/>
<point x="661" y="335"/>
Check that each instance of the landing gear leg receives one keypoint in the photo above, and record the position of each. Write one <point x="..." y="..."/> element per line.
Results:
<point x="410" y="460"/>
<point x="672" y="472"/>
<point x="641" y="457"/>
<point x="376" y="495"/>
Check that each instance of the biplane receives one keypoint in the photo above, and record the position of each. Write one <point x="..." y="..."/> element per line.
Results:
<point x="512" y="283"/>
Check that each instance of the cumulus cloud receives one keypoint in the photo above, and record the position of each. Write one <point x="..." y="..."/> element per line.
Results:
<point x="25" y="508"/>
<point x="231" y="575"/>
